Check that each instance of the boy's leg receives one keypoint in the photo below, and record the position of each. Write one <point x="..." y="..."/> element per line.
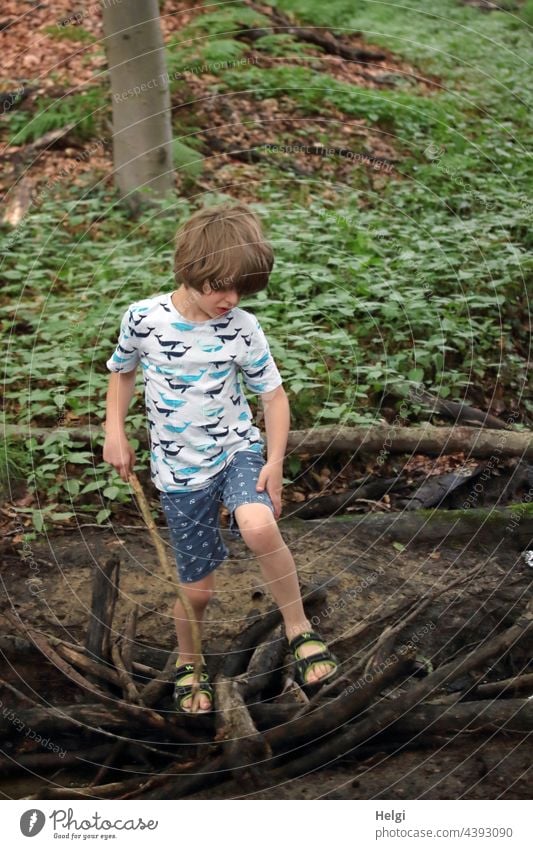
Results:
<point x="195" y="538"/>
<point x="261" y="534"/>
<point x="198" y="594"/>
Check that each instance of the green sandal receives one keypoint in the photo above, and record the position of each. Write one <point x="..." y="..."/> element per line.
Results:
<point x="184" y="691"/>
<point x="302" y="665"/>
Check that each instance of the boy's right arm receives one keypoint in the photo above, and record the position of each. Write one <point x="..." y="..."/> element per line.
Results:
<point x="117" y="450"/>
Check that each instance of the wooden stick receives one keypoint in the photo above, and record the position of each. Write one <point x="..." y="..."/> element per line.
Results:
<point x="131" y="694"/>
<point x="170" y="573"/>
<point x="87" y="664"/>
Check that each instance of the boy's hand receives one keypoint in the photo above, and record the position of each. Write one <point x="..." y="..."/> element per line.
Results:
<point x="271" y="479"/>
<point x="119" y="453"/>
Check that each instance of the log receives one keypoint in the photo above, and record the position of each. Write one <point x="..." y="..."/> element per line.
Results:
<point x="512" y="525"/>
<point x="86" y="664"/>
<point x="129" y="638"/>
<point x="419" y="439"/>
<point x="151" y="691"/>
<point x="504" y="687"/>
<point x="129" y="690"/>
<point x="94" y="718"/>
<point x="128" y="788"/>
<point x="104" y="594"/>
<point x="327" y="505"/>
<point x="509" y="715"/>
<point x="458" y="412"/>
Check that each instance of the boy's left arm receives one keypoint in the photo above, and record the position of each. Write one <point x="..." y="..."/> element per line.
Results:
<point x="277" y="423"/>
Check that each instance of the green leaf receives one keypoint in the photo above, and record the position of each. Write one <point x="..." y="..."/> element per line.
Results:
<point x="90" y="487"/>
<point x="72" y="486"/>
<point x="78" y="457"/>
<point x="111" y="492"/>
<point x="102" y="515"/>
<point x="399" y="546"/>
<point x="37" y="519"/>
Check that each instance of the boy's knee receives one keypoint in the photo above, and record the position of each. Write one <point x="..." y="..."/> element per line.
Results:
<point x="199" y="597"/>
<point x="260" y="537"/>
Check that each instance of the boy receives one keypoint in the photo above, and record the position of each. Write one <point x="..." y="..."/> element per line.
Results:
<point x="193" y="344"/>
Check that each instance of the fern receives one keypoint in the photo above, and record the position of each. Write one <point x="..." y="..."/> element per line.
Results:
<point x="69" y="33"/>
<point x="223" y="50"/>
<point x="82" y="110"/>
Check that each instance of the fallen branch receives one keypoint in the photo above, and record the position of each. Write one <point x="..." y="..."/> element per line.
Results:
<point x="265" y="663"/>
<point x="321" y="36"/>
<point x="503" y="716"/>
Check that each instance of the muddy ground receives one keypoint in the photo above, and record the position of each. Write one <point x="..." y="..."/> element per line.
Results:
<point x="360" y="576"/>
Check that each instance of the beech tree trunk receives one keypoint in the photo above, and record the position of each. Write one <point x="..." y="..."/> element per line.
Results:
<point x="142" y="130"/>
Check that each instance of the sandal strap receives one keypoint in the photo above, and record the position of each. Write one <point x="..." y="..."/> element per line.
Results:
<point x="322" y="657"/>
<point x="305" y="637"/>
<point x="184" y="691"/>
<point x="187" y="669"/>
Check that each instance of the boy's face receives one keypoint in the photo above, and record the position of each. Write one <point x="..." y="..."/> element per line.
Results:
<point x="215" y="300"/>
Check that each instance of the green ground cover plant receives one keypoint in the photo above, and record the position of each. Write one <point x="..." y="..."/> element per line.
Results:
<point x="423" y="278"/>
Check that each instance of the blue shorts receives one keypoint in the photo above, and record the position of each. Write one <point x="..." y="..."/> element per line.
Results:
<point x="193" y="517"/>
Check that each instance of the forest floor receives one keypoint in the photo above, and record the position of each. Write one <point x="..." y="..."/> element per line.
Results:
<point x="361" y="577"/>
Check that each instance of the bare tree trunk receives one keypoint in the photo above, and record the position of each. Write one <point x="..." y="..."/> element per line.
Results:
<point x="142" y="130"/>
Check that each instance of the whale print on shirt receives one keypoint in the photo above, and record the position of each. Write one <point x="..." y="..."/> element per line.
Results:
<point x="195" y="374"/>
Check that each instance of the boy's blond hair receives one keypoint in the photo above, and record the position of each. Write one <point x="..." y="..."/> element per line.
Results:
<point x="223" y="246"/>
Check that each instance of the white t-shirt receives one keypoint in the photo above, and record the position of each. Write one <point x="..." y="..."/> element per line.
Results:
<point x="197" y="412"/>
